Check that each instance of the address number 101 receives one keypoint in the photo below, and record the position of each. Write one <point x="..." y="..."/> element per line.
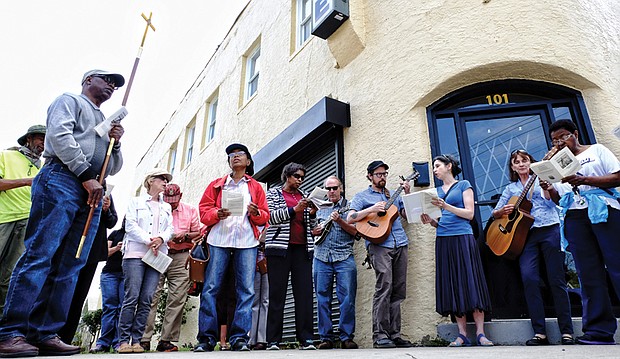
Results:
<point x="497" y="99"/>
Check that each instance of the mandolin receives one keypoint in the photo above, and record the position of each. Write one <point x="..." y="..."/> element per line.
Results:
<point x="327" y="226"/>
<point x="376" y="227"/>
<point x="506" y="235"/>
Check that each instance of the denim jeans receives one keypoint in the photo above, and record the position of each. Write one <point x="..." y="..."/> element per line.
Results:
<point x="140" y="284"/>
<point x="345" y="274"/>
<point x="112" y="293"/>
<point x="244" y="263"/>
<point x="44" y="277"/>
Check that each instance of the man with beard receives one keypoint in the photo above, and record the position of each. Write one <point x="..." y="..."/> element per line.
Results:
<point x="18" y="165"/>
<point x="389" y="259"/>
<point x="63" y="194"/>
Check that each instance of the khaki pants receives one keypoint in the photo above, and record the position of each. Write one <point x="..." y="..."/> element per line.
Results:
<point x="178" y="284"/>
<point x="11" y="248"/>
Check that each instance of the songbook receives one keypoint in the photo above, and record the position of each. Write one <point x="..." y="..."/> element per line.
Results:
<point x="319" y="198"/>
<point x="563" y="164"/>
<point x="233" y="201"/>
<point x="159" y="262"/>
<point x="419" y="202"/>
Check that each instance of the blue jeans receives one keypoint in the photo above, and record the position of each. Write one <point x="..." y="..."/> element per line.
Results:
<point x="596" y="249"/>
<point x="244" y="264"/>
<point x="345" y="274"/>
<point x="140" y="283"/>
<point x="44" y="278"/>
<point x="112" y="293"/>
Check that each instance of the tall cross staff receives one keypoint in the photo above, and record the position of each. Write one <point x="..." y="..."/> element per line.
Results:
<point x="112" y="140"/>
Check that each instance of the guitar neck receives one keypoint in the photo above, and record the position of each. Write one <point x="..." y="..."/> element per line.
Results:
<point x="395" y="195"/>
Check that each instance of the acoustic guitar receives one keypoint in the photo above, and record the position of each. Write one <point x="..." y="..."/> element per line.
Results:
<point x="506" y="235"/>
<point x="327" y="226"/>
<point x="376" y="227"/>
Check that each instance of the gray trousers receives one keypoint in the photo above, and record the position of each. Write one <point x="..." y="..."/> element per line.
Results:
<point x="11" y="248"/>
<point x="258" y="333"/>
<point x="390" y="266"/>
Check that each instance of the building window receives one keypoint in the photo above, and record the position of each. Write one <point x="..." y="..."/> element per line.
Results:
<point x="189" y="142"/>
<point x="253" y="70"/>
<point x="211" y="116"/>
<point x="172" y="159"/>
<point x="304" y="21"/>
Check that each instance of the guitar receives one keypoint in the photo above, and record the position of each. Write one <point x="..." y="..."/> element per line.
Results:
<point x="506" y="235"/>
<point x="376" y="227"/>
<point x="327" y="226"/>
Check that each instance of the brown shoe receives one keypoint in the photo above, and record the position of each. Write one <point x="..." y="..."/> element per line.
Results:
<point x="17" y="347"/>
<point x="146" y="346"/>
<point x="125" y="348"/>
<point x="55" y="347"/>
<point x="137" y="348"/>
<point x="260" y="346"/>
<point x="326" y="344"/>
<point x="349" y="344"/>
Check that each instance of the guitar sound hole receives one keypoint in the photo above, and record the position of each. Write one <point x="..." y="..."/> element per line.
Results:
<point x="381" y="214"/>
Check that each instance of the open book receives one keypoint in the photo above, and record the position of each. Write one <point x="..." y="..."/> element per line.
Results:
<point x="160" y="262"/>
<point x="319" y="198"/>
<point x="563" y="164"/>
<point x="419" y="202"/>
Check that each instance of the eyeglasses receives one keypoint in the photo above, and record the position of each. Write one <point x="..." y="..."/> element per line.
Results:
<point x="235" y="154"/>
<point x="380" y="174"/>
<point x="108" y="79"/>
<point x="518" y="151"/>
<point x="163" y="178"/>
<point x="298" y="176"/>
<point x="561" y="140"/>
<point x="333" y="188"/>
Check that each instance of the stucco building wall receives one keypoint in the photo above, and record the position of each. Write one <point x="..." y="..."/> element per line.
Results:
<point x="390" y="61"/>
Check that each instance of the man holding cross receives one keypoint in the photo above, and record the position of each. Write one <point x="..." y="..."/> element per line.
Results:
<point x="63" y="193"/>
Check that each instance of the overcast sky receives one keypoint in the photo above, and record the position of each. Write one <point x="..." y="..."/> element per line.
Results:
<point x="47" y="46"/>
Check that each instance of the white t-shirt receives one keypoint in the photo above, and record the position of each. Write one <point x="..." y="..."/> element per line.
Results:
<point x="597" y="160"/>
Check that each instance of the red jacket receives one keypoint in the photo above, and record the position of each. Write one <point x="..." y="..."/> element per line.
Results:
<point x="211" y="202"/>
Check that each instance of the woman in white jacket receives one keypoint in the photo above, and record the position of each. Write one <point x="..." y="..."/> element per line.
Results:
<point x="148" y="228"/>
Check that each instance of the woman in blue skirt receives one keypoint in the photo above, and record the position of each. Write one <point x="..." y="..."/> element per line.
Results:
<point x="459" y="283"/>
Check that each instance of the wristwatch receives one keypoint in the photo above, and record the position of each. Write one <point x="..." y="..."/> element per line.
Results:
<point x="186" y="237"/>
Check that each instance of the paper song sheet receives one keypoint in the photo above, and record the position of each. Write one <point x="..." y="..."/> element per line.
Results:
<point x="160" y="262"/>
<point x="319" y="198"/>
<point x="419" y="202"/>
<point x="233" y="201"/>
<point x="562" y="164"/>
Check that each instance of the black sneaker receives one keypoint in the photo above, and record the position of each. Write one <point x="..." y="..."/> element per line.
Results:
<point x="166" y="346"/>
<point x="402" y="343"/>
<point x="240" y="346"/>
<point x="307" y="345"/>
<point x="537" y="341"/>
<point x="99" y="349"/>
<point x="589" y="339"/>
<point x="384" y="343"/>
<point x="273" y="346"/>
<point x="203" y="347"/>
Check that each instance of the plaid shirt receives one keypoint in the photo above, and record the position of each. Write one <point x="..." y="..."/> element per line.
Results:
<point x="184" y="219"/>
<point x="338" y="244"/>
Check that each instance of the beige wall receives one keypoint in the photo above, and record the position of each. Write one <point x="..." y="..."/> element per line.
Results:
<point x="390" y="61"/>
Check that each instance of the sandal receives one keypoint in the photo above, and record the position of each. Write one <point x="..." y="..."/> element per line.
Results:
<point x="567" y="339"/>
<point x="537" y="341"/>
<point x="483" y="341"/>
<point x="463" y="343"/>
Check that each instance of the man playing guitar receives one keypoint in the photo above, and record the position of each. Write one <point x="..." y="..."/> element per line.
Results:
<point x="389" y="259"/>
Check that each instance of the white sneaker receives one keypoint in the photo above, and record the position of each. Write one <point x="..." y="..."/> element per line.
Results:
<point x="273" y="346"/>
<point x="308" y="345"/>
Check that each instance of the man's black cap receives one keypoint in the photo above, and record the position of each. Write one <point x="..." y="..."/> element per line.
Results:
<point x="237" y="146"/>
<point x="376" y="164"/>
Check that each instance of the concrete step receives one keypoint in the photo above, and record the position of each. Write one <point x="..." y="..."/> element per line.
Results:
<point x="510" y="331"/>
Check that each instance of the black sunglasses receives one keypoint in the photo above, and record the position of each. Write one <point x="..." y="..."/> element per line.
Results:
<point x="333" y="188"/>
<point x="298" y="176"/>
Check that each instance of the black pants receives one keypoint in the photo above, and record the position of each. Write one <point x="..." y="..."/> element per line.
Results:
<point x="87" y="273"/>
<point x="298" y="262"/>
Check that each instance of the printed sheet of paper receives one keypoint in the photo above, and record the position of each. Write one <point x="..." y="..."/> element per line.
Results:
<point x="160" y="262"/>
<point x="616" y="132"/>
<point x="419" y="202"/>
<point x="109" y="188"/>
<point x="319" y="198"/>
<point x="233" y="201"/>
<point x="563" y="164"/>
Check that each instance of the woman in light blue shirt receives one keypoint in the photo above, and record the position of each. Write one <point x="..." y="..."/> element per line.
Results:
<point x="542" y="243"/>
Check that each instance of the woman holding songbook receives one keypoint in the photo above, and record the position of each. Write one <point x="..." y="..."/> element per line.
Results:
<point x="148" y="226"/>
<point x="591" y="209"/>
<point x="542" y="244"/>
<point x="459" y="279"/>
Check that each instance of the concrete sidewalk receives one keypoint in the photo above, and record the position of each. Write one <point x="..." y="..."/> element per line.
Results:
<point x="498" y="352"/>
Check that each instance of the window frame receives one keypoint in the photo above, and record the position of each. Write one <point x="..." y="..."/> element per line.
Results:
<point x="252" y="75"/>
<point x="303" y="22"/>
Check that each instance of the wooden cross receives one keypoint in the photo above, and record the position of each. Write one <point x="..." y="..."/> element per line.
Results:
<point x="148" y="24"/>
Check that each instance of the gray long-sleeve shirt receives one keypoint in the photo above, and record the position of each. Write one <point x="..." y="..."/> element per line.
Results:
<point x="71" y="137"/>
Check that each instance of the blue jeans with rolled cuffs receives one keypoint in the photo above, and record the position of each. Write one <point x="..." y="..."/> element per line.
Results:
<point x="140" y="283"/>
<point x="345" y="274"/>
<point x="44" y="277"/>
<point x="244" y="263"/>
<point x="112" y="293"/>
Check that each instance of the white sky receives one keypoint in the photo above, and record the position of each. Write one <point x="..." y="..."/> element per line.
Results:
<point x="47" y="46"/>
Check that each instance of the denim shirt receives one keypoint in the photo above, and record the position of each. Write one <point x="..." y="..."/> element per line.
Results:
<point x="367" y="198"/>
<point x="543" y="210"/>
<point x="338" y="244"/>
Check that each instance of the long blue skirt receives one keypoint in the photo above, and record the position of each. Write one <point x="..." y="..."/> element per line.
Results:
<point x="460" y="285"/>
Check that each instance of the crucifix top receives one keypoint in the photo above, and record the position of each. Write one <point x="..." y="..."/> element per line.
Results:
<point x="148" y="24"/>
